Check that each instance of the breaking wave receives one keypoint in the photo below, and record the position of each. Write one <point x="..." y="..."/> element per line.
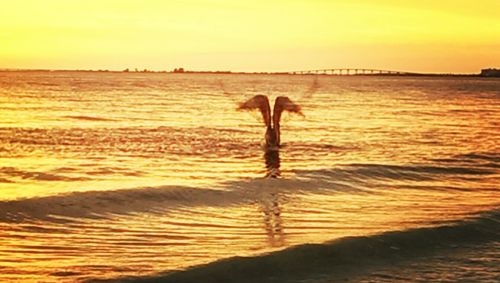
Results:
<point x="343" y="258"/>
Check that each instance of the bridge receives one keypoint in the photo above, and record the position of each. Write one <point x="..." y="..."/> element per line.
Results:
<point x="350" y="72"/>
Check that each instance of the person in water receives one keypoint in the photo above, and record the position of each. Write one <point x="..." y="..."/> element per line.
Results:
<point x="271" y="120"/>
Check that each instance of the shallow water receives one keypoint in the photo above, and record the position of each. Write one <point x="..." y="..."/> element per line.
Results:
<point x="112" y="174"/>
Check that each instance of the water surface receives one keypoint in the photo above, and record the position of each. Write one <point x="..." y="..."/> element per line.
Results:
<point x="113" y="174"/>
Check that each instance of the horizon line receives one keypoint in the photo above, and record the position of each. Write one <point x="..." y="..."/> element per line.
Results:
<point x="182" y="70"/>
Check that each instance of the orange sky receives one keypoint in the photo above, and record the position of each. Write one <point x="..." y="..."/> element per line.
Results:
<point x="259" y="35"/>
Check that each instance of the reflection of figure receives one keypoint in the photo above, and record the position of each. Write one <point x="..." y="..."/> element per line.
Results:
<point x="282" y="103"/>
<point x="271" y="208"/>
<point x="273" y="222"/>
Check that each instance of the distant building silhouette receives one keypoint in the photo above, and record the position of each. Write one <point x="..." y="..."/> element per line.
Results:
<point x="490" y="72"/>
<point x="179" y="70"/>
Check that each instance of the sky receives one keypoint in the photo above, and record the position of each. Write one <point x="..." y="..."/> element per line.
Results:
<point x="261" y="35"/>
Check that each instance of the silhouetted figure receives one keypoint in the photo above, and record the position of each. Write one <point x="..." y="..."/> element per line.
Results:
<point x="272" y="123"/>
<point x="282" y="103"/>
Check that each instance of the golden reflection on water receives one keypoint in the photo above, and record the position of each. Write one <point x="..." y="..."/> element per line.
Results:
<point x="372" y="155"/>
<point x="145" y="129"/>
<point x="144" y="242"/>
<point x="273" y="222"/>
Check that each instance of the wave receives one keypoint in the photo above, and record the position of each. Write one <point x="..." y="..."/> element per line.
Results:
<point x="493" y="157"/>
<point x="347" y="178"/>
<point x="98" y="204"/>
<point x="35" y="175"/>
<point x="369" y="172"/>
<point x="88" y="118"/>
<point x="343" y="259"/>
<point x="103" y="204"/>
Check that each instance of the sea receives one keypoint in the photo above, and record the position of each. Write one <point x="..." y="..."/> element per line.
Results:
<point x="158" y="177"/>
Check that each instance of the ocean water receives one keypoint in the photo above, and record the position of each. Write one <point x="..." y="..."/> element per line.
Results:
<point x="141" y="176"/>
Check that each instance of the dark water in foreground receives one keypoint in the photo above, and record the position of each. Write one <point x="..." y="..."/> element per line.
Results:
<point x="110" y="175"/>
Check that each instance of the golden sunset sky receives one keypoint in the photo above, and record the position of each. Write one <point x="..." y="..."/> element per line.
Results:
<point x="259" y="35"/>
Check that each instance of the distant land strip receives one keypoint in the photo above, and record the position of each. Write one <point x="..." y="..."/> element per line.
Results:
<point x="490" y="72"/>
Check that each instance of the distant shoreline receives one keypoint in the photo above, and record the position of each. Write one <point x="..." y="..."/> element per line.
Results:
<point x="480" y="75"/>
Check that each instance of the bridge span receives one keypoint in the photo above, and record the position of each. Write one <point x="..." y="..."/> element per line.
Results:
<point x="350" y="72"/>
